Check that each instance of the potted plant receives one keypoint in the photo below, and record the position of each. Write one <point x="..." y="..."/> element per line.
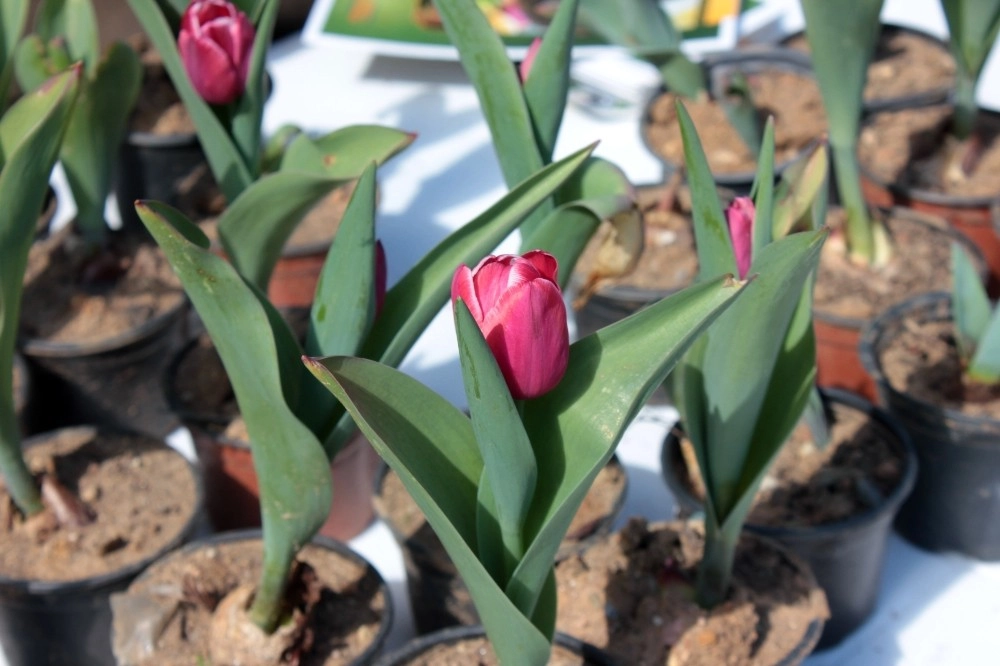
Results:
<point x="97" y="296"/>
<point x="223" y="85"/>
<point x="875" y="257"/>
<point x="72" y="529"/>
<point x="726" y="94"/>
<point x="940" y="160"/>
<point x="934" y="358"/>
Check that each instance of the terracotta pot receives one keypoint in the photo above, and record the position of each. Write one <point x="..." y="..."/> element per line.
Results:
<point x="846" y="556"/>
<point x="69" y="622"/>
<point x="295" y="276"/>
<point x="140" y="607"/>
<point x="955" y="506"/>
<point x="590" y="655"/>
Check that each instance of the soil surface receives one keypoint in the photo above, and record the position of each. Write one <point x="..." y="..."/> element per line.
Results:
<point x="479" y="652"/>
<point x="73" y="295"/>
<point x="912" y="149"/>
<point x="921" y="262"/>
<point x="632" y="595"/>
<point x="140" y="493"/>
<point x="182" y="592"/>
<point x="793" y="100"/>
<point x="807" y="485"/>
<point x="905" y="63"/>
<point x="922" y="361"/>
<point x="159" y="109"/>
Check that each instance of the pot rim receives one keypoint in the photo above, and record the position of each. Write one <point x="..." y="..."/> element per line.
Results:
<point x="778" y="56"/>
<point x="889" y="504"/>
<point x="419" y="644"/>
<point x="92" y="584"/>
<point x="174" y="140"/>
<point x="326" y="543"/>
<point x="905" y="193"/>
<point x="872" y="336"/>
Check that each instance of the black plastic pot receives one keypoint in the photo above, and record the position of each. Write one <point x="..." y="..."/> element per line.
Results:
<point x="22" y="390"/>
<point x="591" y="655"/>
<point x="717" y="68"/>
<point x="917" y="99"/>
<point x="151" y="166"/>
<point x="438" y="596"/>
<point x="846" y="557"/>
<point x="69" y="622"/>
<point x="111" y="382"/>
<point x="132" y="623"/>
<point x="955" y="506"/>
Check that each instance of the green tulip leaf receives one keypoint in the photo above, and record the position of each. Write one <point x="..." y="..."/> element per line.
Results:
<point x="970" y="305"/>
<point x="575" y="427"/>
<point x="972" y="28"/>
<point x="249" y="113"/>
<point x="430" y="445"/>
<point x="291" y="466"/>
<point x="763" y="189"/>
<point x="800" y="198"/>
<point x="30" y="135"/>
<point x="547" y="84"/>
<point x="13" y="18"/>
<point x="75" y="23"/>
<point x="346" y="152"/>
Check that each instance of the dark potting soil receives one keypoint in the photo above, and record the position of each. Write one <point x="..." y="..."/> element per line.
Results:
<point x="905" y="63"/>
<point x="159" y="109"/>
<point x="632" y="595"/>
<point x="140" y="493"/>
<point x="347" y="604"/>
<point x="601" y="501"/>
<point x="920" y="263"/>
<point x="923" y="362"/>
<point x="793" y="100"/>
<point x="479" y="652"/>
<point x="668" y="260"/>
<point x="808" y="486"/>
<point x="71" y="295"/>
<point x="911" y="149"/>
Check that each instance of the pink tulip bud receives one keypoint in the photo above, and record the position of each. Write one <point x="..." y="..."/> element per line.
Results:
<point x="740" y="215"/>
<point x="529" y="59"/>
<point x="519" y="308"/>
<point x="215" y="43"/>
<point x="381" y="274"/>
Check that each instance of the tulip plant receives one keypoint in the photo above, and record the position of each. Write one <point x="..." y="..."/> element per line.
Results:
<point x="500" y="486"/>
<point x="214" y="52"/>
<point x="65" y="33"/>
<point x="977" y="322"/>
<point x="13" y="18"/>
<point x="31" y="132"/>
<point x="973" y="26"/>
<point x="842" y="45"/>
<point x="744" y="385"/>
<point x="524" y="109"/>
<point x="294" y="424"/>
<point x="646" y="29"/>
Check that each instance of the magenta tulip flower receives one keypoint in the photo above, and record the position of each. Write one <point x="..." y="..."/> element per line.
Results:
<point x="524" y="69"/>
<point x="215" y="43"/>
<point x="740" y="215"/>
<point x="519" y="308"/>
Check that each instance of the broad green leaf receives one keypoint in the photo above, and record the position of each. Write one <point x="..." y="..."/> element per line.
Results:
<point x="763" y="190"/>
<point x="489" y="542"/>
<point x="430" y="445"/>
<point x="255" y="227"/>
<point x="228" y="166"/>
<point x="30" y="135"/>
<point x="970" y="305"/>
<point x="711" y="233"/>
<point x="800" y="198"/>
<point x="575" y="427"/>
<point x="741" y="357"/>
<point x="500" y="95"/>
<point x="738" y="105"/>
<point x="415" y="300"/>
<point x="292" y="469"/>
<point x="31" y="63"/>
<point x="99" y="123"/>
<point x="985" y="364"/>
<point x="508" y="458"/>
<point x="547" y="84"/>
<point x="972" y="28"/>
<point x="75" y="22"/>
<point x="249" y="113"/>
<point x="13" y="18"/>
<point x="346" y="152"/>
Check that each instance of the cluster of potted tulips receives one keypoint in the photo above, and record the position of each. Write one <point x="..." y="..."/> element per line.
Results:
<point x="94" y="517"/>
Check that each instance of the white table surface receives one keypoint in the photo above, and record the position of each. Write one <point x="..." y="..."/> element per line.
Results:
<point x="933" y="610"/>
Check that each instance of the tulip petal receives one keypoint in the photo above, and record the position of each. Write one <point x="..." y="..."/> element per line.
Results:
<point x="210" y="70"/>
<point x="740" y="216"/>
<point x="462" y="286"/>
<point x="546" y="264"/>
<point x="490" y="279"/>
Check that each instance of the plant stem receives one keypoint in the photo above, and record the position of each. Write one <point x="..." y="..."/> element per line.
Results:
<point x="860" y="235"/>
<point x="965" y="106"/>
<point x="716" y="567"/>
<point x="16" y="475"/>
<point x="268" y="601"/>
